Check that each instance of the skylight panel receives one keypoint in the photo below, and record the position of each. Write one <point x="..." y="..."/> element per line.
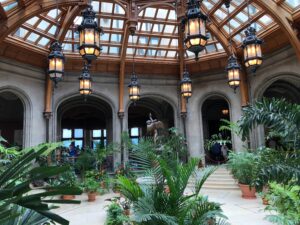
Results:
<point x="165" y="41"/>
<point x="44" y="41"/>
<point x="116" y="38"/>
<point x="171" y="54"/>
<point x="154" y="41"/>
<point x="21" y="32"/>
<point x="78" y="20"/>
<point x="52" y="30"/>
<point x="143" y="40"/>
<point x="33" y="37"/>
<point x="53" y="13"/>
<point x="162" y="14"/>
<point x="119" y="10"/>
<point x="150" y="12"/>
<point x="140" y="52"/>
<point x="266" y="20"/>
<point x="114" y="50"/>
<point x="118" y="24"/>
<point x="104" y="49"/>
<point x="106" y="7"/>
<point x="146" y="27"/>
<point x="105" y="37"/>
<point x="96" y="6"/>
<point x="242" y="17"/>
<point x="67" y="47"/>
<point x="220" y="14"/>
<point x="10" y="6"/>
<point x="210" y="48"/>
<point x="158" y="28"/>
<point x="151" y="52"/>
<point x="161" y="53"/>
<point x="32" y="21"/>
<point x="293" y="3"/>
<point x="43" y="25"/>
<point x="208" y="5"/>
<point x="169" y="29"/>
<point x="105" y="22"/>
<point x="129" y="51"/>
<point x="174" y="43"/>
<point x="219" y="47"/>
<point x="172" y="15"/>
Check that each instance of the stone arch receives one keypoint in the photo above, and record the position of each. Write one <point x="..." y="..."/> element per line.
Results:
<point x="27" y="114"/>
<point x="201" y="102"/>
<point x="267" y="82"/>
<point x="161" y="97"/>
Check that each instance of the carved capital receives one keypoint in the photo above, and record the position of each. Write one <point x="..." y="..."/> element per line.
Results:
<point x="47" y="115"/>
<point x="121" y="115"/>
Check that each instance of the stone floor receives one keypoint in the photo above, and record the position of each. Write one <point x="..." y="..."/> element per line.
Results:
<point x="238" y="210"/>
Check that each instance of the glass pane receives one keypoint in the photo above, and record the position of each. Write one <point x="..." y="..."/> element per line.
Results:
<point x="135" y="141"/>
<point x="79" y="143"/>
<point x="96" y="133"/>
<point x="66" y="143"/>
<point x="104" y="133"/>
<point x="67" y="133"/>
<point x="78" y="133"/>
<point x="134" y="131"/>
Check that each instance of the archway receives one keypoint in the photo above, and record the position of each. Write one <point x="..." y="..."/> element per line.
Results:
<point x="11" y="119"/>
<point x="216" y="142"/>
<point x="280" y="89"/>
<point x="283" y="89"/>
<point x="85" y="124"/>
<point x="138" y="114"/>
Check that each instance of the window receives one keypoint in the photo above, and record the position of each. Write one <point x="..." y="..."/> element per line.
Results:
<point x="99" y="136"/>
<point x="75" y="136"/>
<point x="135" y="135"/>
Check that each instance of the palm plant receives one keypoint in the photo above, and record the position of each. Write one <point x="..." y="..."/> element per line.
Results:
<point x="152" y="204"/>
<point x="15" y="189"/>
<point x="277" y="115"/>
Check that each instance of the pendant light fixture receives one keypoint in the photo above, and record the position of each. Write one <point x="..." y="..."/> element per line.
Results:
<point x="89" y="35"/>
<point x="56" y="59"/>
<point x="194" y="25"/>
<point x="85" y="82"/>
<point x="252" y="46"/>
<point x="186" y="85"/>
<point x="233" y="67"/>
<point x="134" y="86"/>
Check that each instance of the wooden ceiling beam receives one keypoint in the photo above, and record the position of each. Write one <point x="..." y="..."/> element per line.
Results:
<point x="68" y="21"/>
<point x="21" y="15"/>
<point x="22" y="3"/>
<point x="284" y="20"/>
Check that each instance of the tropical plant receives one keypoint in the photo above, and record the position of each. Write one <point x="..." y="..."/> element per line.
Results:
<point x="284" y="200"/>
<point x="277" y="115"/>
<point x="15" y="188"/>
<point x="86" y="161"/>
<point x="244" y="167"/>
<point x="91" y="185"/>
<point x="152" y="204"/>
<point x="215" y="138"/>
<point x="281" y="166"/>
<point x="115" y="215"/>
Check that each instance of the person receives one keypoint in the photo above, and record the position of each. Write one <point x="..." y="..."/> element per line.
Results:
<point x="72" y="150"/>
<point x="224" y="150"/>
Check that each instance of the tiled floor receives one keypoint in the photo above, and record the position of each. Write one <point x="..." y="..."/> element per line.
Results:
<point x="238" y="210"/>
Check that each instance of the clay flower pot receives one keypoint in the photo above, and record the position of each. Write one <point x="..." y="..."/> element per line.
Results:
<point x="67" y="197"/>
<point x="247" y="192"/>
<point x="265" y="201"/>
<point x="92" y="196"/>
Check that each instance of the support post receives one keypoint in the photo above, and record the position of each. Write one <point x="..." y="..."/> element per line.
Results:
<point x="244" y="88"/>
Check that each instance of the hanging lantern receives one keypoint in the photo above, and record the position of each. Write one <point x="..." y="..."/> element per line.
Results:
<point x="89" y="35"/>
<point x="134" y="88"/>
<point x="194" y="25"/>
<point x="85" y="82"/>
<point x="225" y="112"/>
<point x="252" y="49"/>
<point x="186" y="85"/>
<point x="233" y="69"/>
<point x="56" y="60"/>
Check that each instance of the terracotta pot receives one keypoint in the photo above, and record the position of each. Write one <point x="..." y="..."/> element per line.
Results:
<point x="127" y="212"/>
<point x="247" y="192"/>
<point x="265" y="201"/>
<point x="67" y="197"/>
<point x="92" y="196"/>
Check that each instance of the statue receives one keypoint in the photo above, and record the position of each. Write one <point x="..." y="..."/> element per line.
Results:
<point x="153" y="126"/>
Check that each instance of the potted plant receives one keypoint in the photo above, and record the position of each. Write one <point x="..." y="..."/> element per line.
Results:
<point x="243" y="166"/>
<point x="115" y="215"/>
<point x="91" y="187"/>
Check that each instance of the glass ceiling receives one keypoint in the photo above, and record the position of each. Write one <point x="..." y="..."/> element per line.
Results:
<point x="157" y="30"/>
